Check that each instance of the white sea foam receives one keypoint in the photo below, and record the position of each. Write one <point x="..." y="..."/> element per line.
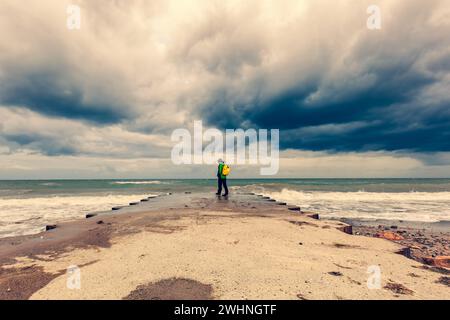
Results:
<point x="137" y="182"/>
<point x="408" y="206"/>
<point x="23" y="216"/>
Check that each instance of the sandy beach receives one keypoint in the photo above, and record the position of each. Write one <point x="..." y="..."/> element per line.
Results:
<point x="195" y="246"/>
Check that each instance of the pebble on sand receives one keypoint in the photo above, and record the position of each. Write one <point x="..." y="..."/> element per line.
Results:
<point x="390" y="235"/>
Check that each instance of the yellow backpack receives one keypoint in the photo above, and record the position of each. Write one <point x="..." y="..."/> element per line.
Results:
<point x="226" y="170"/>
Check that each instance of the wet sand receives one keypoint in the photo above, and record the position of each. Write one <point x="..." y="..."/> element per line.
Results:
<point x="196" y="246"/>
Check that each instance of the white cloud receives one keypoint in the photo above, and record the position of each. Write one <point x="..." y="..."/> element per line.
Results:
<point x="28" y="131"/>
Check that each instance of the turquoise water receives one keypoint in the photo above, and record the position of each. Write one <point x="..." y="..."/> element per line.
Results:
<point x="27" y="206"/>
<point x="28" y="188"/>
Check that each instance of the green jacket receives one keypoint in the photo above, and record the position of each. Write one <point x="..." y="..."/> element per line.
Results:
<point x="219" y="171"/>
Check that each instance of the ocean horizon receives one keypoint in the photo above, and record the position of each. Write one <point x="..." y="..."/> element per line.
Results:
<point x="28" y="205"/>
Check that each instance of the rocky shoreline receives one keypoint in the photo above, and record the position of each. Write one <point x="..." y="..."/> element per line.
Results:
<point x="425" y="246"/>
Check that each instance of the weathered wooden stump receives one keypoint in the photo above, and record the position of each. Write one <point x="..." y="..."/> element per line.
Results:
<point x="346" y="229"/>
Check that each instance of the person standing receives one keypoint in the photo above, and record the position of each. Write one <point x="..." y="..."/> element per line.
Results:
<point x="222" y="172"/>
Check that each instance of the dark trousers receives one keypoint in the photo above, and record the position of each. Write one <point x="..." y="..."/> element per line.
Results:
<point x="222" y="182"/>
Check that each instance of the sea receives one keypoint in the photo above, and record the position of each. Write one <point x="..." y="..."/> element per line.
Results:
<point x="26" y="206"/>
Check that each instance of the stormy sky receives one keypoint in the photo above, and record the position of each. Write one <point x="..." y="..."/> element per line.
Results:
<point x="102" y="101"/>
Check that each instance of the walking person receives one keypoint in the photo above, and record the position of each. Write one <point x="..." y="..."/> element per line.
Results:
<point x="222" y="172"/>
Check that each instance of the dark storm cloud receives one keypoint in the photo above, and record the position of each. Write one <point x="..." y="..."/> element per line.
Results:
<point x="45" y="145"/>
<point x="46" y="68"/>
<point x="391" y="83"/>
<point x="391" y="107"/>
<point x="386" y="136"/>
<point x="309" y="68"/>
<point x="55" y="95"/>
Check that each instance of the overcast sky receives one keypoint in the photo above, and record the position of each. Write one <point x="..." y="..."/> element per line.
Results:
<point x="102" y="101"/>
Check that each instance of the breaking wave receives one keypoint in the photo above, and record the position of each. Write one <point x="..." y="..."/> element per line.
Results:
<point x="408" y="206"/>
<point x="137" y="182"/>
<point x="29" y="215"/>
